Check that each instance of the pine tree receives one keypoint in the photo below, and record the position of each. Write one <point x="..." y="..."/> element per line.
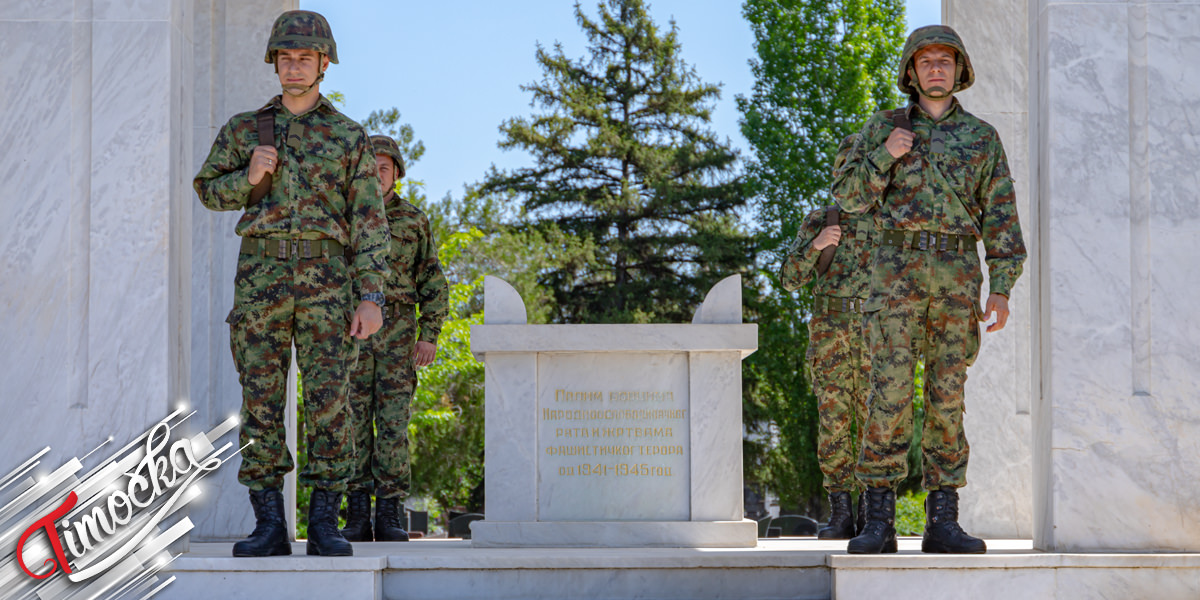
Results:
<point x="624" y="160"/>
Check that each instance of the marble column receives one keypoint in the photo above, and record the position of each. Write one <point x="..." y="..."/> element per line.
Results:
<point x="998" y="500"/>
<point x="1116" y="135"/>
<point x="95" y="340"/>
<point x="115" y="281"/>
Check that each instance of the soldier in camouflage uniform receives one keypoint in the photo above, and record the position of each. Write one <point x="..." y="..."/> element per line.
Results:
<point x="382" y="384"/>
<point x="294" y="283"/>
<point x="837" y="362"/>
<point x="938" y="189"/>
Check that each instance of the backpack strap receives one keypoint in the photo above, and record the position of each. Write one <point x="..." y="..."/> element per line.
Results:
<point x="831" y="220"/>
<point x="900" y="119"/>
<point x="266" y="137"/>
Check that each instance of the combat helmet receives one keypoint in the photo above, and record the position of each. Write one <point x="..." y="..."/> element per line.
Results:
<point x="386" y="146"/>
<point x="301" y="29"/>
<point x="964" y="74"/>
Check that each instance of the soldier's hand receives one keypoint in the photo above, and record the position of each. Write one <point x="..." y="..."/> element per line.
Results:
<point x="830" y="236"/>
<point x="368" y="318"/>
<point x="996" y="303"/>
<point x="899" y="142"/>
<point x="425" y="354"/>
<point x="262" y="161"/>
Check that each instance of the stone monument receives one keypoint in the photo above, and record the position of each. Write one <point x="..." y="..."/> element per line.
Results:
<point x="614" y="435"/>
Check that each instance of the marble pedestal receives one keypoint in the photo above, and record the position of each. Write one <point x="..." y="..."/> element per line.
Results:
<point x="614" y="435"/>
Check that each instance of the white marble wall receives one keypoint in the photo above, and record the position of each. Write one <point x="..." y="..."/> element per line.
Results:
<point x="115" y="285"/>
<point x="1118" y="133"/>
<point x="86" y="279"/>
<point x="1112" y="95"/>
<point x="998" y="500"/>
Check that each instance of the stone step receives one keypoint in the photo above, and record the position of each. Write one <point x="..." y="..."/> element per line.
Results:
<point x="775" y="569"/>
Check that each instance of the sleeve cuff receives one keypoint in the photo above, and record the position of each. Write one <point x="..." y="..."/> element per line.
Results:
<point x="429" y="334"/>
<point x="369" y="284"/>
<point x="881" y="158"/>
<point x="1000" y="287"/>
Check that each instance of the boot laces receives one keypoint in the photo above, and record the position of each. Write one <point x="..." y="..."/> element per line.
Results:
<point x="388" y="513"/>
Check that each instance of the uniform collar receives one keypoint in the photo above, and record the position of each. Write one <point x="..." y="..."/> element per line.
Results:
<point x="913" y="109"/>
<point x="276" y="103"/>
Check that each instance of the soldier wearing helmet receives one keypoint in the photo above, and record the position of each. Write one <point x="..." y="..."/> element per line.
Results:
<point x="382" y="384"/>
<point x="314" y="245"/>
<point x="837" y="362"/>
<point x="940" y="182"/>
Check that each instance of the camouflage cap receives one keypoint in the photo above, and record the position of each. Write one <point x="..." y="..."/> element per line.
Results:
<point x="299" y="30"/>
<point x="387" y="146"/>
<point x="930" y="35"/>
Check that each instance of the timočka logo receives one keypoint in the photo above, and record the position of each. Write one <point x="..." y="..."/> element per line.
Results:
<point x="105" y="534"/>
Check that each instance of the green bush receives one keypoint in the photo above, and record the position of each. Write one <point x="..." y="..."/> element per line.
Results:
<point x="910" y="513"/>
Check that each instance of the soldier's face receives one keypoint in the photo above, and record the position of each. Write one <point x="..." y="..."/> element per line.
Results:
<point x="387" y="172"/>
<point x="934" y="68"/>
<point x="298" y="69"/>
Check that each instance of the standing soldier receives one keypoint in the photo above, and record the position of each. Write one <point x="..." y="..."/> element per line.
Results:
<point x="381" y="387"/>
<point x="837" y="362"/>
<point x="294" y="282"/>
<point x="940" y="181"/>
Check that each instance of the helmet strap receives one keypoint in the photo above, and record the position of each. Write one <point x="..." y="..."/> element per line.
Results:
<point x="932" y="95"/>
<point x="303" y="91"/>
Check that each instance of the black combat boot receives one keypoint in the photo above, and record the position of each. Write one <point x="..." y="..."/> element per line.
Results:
<point x="358" y="517"/>
<point x="879" y="532"/>
<point x="269" y="537"/>
<point x="841" y="518"/>
<point x="860" y="515"/>
<point x="943" y="535"/>
<point x="387" y="521"/>
<point x="324" y="539"/>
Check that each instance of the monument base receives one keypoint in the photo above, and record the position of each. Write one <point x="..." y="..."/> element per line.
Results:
<point x="777" y="569"/>
<point x="614" y="534"/>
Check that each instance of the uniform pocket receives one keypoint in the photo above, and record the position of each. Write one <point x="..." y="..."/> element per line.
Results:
<point x="973" y="335"/>
<point x="237" y="335"/>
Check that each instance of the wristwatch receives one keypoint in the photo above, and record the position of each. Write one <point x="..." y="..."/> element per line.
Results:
<point x="376" y="297"/>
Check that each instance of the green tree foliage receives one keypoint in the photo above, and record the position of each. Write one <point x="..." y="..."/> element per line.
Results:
<point x="447" y="408"/>
<point x="625" y="165"/>
<point x="822" y="67"/>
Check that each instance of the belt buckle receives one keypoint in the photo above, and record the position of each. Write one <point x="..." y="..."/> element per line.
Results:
<point x="923" y="241"/>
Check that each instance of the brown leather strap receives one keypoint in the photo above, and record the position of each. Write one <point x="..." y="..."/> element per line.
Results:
<point x="900" y="119"/>
<point x="266" y="137"/>
<point x="831" y="220"/>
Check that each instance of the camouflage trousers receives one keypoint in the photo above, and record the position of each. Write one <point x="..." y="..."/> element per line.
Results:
<point x="278" y="302"/>
<point x="381" y="390"/>
<point x="840" y="372"/>
<point x="928" y="300"/>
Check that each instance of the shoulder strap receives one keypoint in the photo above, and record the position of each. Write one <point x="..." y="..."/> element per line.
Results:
<point x="831" y="220"/>
<point x="266" y="137"/>
<point x="900" y="119"/>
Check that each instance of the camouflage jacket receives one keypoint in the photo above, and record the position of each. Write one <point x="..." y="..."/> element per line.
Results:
<point x="954" y="180"/>
<point x="849" y="275"/>
<point x="325" y="186"/>
<point x="416" y="274"/>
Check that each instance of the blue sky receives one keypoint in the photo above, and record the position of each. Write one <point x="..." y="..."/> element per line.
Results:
<point x="454" y="69"/>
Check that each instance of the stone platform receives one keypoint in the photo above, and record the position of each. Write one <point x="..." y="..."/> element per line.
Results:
<point x="793" y="568"/>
